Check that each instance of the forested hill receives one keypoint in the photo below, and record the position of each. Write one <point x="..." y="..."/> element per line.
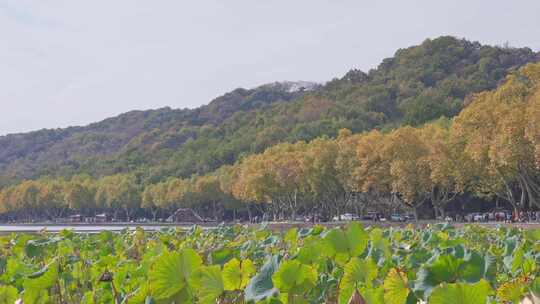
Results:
<point x="80" y="149"/>
<point x="418" y="84"/>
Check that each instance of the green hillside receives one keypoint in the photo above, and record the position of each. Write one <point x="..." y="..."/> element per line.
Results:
<point x="418" y="84"/>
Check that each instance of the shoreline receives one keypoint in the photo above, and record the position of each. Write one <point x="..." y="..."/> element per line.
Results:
<point x="118" y="226"/>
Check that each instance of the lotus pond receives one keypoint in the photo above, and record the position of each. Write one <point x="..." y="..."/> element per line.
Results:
<point x="436" y="264"/>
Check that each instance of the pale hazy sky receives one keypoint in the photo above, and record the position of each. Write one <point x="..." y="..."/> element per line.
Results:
<point x="72" y="62"/>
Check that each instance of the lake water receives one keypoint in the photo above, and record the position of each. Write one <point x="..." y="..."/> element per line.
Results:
<point x="90" y="228"/>
<point x="81" y="228"/>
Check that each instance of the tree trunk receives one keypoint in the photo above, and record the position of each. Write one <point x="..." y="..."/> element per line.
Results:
<point x="442" y="212"/>
<point x="532" y="188"/>
<point x="214" y="210"/>
<point x="415" y="213"/>
<point x="249" y="214"/>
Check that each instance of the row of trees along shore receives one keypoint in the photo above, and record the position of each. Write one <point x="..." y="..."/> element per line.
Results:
<point x="491" y="150"/>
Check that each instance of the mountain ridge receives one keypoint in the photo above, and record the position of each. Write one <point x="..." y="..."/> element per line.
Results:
<point x="418" y="84"/>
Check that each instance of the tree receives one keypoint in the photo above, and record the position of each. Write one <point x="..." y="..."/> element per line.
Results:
<point x="120" y="192"/>
<point x="346" y="163"/>
<point x="445" y="162"/>
<point x="51" y="199"/>
<point x="410" y="173"/>
<point x="178" y="191"/>
<point x="273" y="178"/>
<point x="207" y="190"/>
<point x="7" y="204"/>
<point x="322" y="180"/>
<point x="79" y="194"/>
<point x="532" y="129"/>
<point x="26" y="198"/>
<point x="493" y="132"/>
<point x="154" y="197"/>
<point x="372" y="173"/>
<point x="227" y="176"/>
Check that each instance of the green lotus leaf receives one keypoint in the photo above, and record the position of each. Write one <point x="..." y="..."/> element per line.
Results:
<point x="172" y="271"/>
<point x="294" y="277"/>
<point x="514" y="261"/>
<point x="310" y="252"/>
<point x="357" y="239"/>
<point x="535" y="287"/>
<point x="37" y="284"/>
<point x="222" y="256"/>
<point x="44" y="278"/>
<point x="373" y="295"/>
<point x="396" y="288"/>
<point x="473" y="268"/>
<point x="291" y="238"/>
<point x="336" y="242"/>
<point x="8" y="294"/>
<point x="533" y="235"/>
<point x="358" y="272"/>
<point x="461" y="293"/>
<point x="211" y="284"/>
<point x="261" y="286"/>
<point x="236" y="275"/>
<point x="141" y="295"/>
<point x="444" y="269"/>
<point x="36" y="248"/>
<point x="353" y="241"/>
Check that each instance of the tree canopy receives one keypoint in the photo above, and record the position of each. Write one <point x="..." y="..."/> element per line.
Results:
<point x="418" y="84"/>
<point x="282" y="153"/>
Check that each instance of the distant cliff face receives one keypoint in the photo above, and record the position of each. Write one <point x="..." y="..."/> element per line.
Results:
<point x="418" y="84"/>
<point x="292" y="86"/>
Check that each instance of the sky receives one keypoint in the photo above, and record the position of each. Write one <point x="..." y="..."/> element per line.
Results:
<point x="73" y="62"/>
